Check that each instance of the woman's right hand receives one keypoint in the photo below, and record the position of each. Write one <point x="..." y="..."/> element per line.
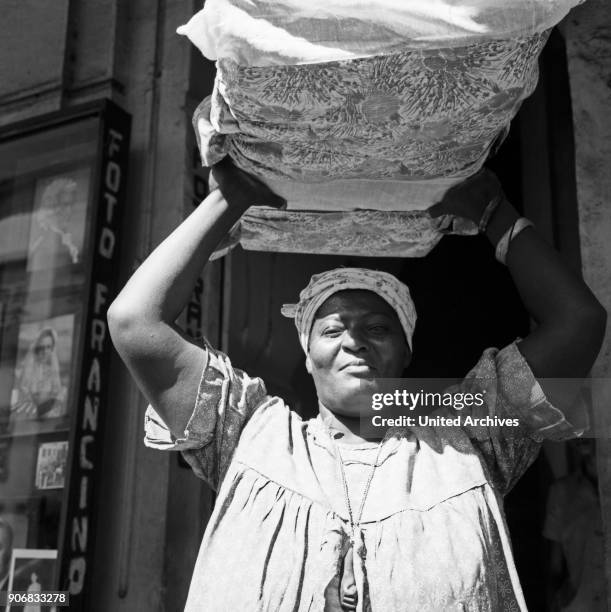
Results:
<point x="241" y="189"/>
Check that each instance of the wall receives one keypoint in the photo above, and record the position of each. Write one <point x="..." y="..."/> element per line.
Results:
<point x="588" y="35"/>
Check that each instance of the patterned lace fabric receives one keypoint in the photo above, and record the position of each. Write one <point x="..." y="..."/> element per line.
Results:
<point x="413" y="115"/>
<point x="379" y="233"/>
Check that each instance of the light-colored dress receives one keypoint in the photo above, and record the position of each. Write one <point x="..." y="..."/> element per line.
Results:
<point x="433" y="535"/>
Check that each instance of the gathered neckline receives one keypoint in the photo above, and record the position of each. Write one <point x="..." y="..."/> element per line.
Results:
<point x="320" y="436"/>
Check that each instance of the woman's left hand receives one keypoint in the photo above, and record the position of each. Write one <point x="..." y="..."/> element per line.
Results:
<point x="570" y="320"/>
<point x="469" y="198"/>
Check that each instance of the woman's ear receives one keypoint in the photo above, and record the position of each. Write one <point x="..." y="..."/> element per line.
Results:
<point x="308" y="364"/>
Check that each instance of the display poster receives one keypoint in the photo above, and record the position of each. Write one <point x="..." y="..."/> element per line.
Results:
<point x="42" y="373"/>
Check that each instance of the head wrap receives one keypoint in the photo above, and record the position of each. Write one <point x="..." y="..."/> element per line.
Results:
<point x="322" y="286"/>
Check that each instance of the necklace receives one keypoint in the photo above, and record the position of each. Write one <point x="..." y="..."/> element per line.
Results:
<point x="354" y="523"/>
<point x="348" y="589"/>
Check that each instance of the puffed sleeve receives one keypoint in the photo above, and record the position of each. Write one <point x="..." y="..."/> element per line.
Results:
<point x="520" y="417"/>
<point x="226" y="398"/>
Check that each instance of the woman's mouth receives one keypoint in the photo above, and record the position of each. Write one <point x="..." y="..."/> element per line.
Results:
<point x="358" y="365"/>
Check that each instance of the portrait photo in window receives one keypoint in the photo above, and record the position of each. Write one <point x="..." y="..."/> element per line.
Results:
<point x="42" y="373"/>
<point x="58" y="222"/>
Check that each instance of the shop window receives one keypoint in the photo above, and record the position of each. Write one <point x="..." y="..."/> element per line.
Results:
<point x="61" y="186"/>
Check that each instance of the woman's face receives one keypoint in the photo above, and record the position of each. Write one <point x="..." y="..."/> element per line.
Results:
<point x="44" y="348"/>
<point x="356" y="338"/>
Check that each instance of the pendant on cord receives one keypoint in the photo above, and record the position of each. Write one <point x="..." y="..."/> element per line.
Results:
<point x="341" y="594"/>
<point x="348" y="594"/>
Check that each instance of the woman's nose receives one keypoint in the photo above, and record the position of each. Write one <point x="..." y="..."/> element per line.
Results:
<point x="353" y="340"/>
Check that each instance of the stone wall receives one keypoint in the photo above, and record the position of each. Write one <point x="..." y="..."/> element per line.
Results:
<point x="588" y="38"/>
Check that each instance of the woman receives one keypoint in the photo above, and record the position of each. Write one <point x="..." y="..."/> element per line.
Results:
<point x="39" y="391"/>
<point x="310" y="515"/>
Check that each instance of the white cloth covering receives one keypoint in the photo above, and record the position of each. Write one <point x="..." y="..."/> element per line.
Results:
<point x="268" y="32"/>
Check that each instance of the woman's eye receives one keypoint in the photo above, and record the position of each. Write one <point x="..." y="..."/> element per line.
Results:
<point x="378" y="329"/>
<point x="332" y="331"/>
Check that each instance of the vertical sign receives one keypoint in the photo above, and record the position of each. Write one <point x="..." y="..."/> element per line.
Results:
<point x="76" y="551"/>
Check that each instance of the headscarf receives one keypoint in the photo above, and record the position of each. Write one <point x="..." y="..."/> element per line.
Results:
<point x="322" y="286"/>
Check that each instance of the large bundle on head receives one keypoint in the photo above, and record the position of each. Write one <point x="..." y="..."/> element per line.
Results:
<point x="362" y="114"/>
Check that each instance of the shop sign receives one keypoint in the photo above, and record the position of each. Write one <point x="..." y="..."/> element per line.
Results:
<point x="77" y="549"/>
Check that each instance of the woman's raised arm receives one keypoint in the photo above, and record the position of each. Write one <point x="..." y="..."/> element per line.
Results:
<point x="164" y="362"/>
<point x="570" y="320"/>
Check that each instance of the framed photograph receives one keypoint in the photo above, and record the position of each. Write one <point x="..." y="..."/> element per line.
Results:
<point x="31" y="571"/>
<point x="51" y="465"/>
<point x="59" y="219"/>
<point x="41" y="381"/>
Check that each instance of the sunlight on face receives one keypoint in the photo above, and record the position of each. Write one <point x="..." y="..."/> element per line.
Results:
<point x="356" y="338"/>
